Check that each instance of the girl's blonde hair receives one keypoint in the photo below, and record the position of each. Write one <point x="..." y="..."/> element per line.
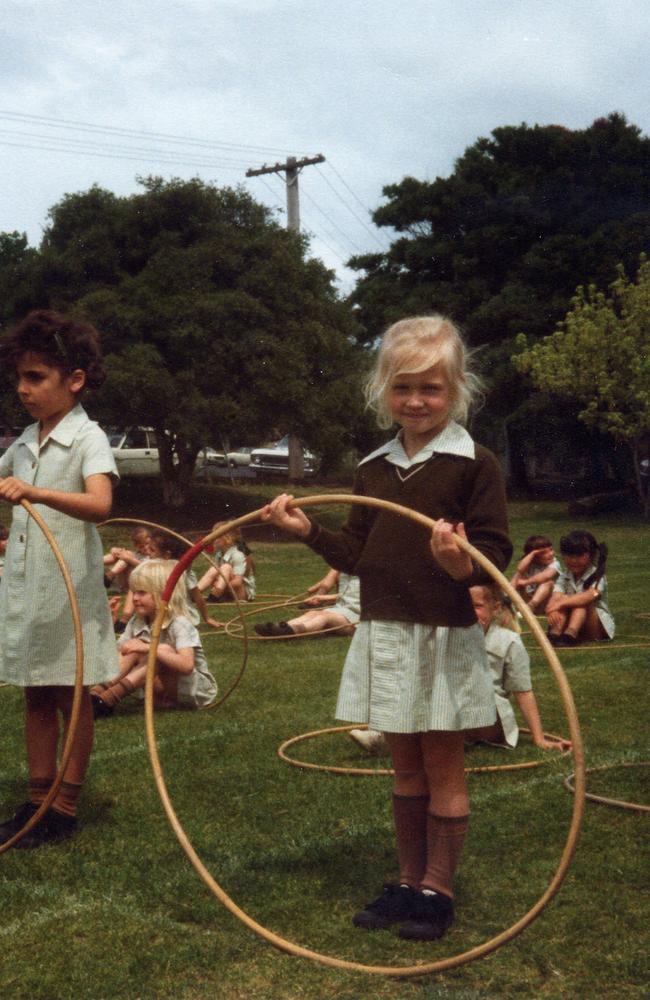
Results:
<point x="230" y="538"/>
<point x="504" y="613"/>
<point x="414" y="345"/>
<point x="151" y="576"/>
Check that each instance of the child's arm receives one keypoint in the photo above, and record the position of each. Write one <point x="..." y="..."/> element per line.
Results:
<point x="528" y="704"/>
<point x="180" y="660"/>
<point x="544" y="574"/>
<point x="559" y="600"/>
<point x="524" y="563"/>
<point x="325" y="585"/>
<point x="94" y="504"/>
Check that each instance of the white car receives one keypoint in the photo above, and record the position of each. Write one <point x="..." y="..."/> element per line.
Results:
<point x="136" y="453"/>
<point x="274" y="459"/>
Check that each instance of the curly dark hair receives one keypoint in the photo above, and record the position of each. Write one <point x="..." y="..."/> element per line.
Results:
<point x="61" y="341"/>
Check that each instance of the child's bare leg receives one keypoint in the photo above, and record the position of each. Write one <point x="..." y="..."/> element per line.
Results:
<point x="316" y="621"/>
<point x="557" y="618"/>
<point x="66" y="798"/>
<point x="540" y="598"/>
<point x="207" y="580"/>
<point x="487" y="734"/>
<point x="165" y="689"/>
<point x="591" y="628"/>
<point x="42" y="737"/>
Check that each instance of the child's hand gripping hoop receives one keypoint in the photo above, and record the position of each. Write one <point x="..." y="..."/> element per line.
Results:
<point x="398" y="972"/>
<point x="78" y="683"/>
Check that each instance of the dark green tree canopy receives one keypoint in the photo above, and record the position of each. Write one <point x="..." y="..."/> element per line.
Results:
<point x="527" y="215"/>
<point x="215" y="323"/>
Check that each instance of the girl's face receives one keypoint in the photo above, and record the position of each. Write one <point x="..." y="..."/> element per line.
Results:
<point x="144" y="605"/>
<point x="420" y="403"/>
<point x="577" y="564"/>
<point x="485" y="606"/>
<point x="45" y="392"/>
<point x="155" y="550"/>
<point x="141" y="544"/>
<point x="545" y="556"/>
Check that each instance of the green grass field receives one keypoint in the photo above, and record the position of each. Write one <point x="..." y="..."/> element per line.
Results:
<point x="119" y="912"/>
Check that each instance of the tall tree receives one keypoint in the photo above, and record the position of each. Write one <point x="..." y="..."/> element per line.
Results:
<point x="527" y="215"/>
<point x="599" y="356"/>
<point x="214" y="320"/>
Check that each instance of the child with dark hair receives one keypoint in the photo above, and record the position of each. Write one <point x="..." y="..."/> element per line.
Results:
<point x="536" y="572"/>
<point x="63" y="464"/>
<point x="577" y="610"/>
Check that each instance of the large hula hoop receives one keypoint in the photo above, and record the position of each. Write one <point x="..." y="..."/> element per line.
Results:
<point x="199" y="547"/>
<point x="617" y="803"/>
<point x="398" y="972"/>
<point x="78" y="683"/>
<point x="305" y="765"/>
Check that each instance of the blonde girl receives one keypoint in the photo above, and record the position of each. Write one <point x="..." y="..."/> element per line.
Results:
<point x="182" y="678"/>
<point x="510" y="668"/>
<point x="235" y="573"/>
<point x="417" y="669"/>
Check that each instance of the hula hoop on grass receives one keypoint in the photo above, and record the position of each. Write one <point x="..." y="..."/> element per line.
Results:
<point x="619" y="803"/>
<point x="362" y="771"/>
<point x="199" y="551"/>
<point x="398" y="972"/>
<point x="78" y="682"/>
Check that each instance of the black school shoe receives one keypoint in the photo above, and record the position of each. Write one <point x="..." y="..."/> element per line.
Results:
<point x="432" y="915"/>
<point x="396" y="903"/>
<point x="51" y="828"/>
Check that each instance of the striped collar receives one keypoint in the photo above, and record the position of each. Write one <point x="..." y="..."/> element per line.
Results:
<point x="452" y="440"/>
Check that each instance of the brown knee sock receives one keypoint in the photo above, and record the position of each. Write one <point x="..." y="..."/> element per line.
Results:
<point x="116" y="691"/>
<point x="445" y="836"/>
<point x="38" y="789"/>
<point x="65" y="800"/>
<point x="410" y="815"/>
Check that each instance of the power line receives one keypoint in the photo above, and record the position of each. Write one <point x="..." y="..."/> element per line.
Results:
<point x="332" y="223"/>
<point x="65" y="123"/>
<point x="350" y="209"/>
<point x="155" y="157"/>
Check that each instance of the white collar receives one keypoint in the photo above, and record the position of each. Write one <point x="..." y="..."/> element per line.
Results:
<point x="64" y="433"/>
<point x="452" y="440"/>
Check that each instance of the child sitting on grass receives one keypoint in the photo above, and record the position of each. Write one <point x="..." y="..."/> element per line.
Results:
<point x="510" y="670"/>
<point x="536" y="573"/>
<point x="119" y="561"/>
<point x="235" y="574"/>
<point x="341" y="617"/>
<point x="578" y="609"/>
<point x="182" y="679"/>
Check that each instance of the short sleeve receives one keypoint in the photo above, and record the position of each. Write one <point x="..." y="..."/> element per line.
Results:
<point x="516" y="673"/>
<point x="96" y="454"/>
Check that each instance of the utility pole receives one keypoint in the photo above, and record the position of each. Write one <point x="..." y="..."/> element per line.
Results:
<point x="291" y="169"/>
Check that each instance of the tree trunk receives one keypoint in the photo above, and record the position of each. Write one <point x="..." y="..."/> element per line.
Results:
<point x="296" y="460"/>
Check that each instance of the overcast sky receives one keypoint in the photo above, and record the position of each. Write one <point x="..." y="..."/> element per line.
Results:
<point x="383" y="89"/>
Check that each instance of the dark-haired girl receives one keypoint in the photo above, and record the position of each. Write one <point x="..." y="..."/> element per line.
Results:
<point x="63" y="464"/>
<point x="577" y="610"/>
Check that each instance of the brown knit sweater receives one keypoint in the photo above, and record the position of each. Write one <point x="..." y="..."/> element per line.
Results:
<point x="400" y="579"/>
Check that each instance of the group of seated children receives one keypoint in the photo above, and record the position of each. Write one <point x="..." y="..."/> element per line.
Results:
<point x="574" y="601"/>
<point x="182" y="678"/>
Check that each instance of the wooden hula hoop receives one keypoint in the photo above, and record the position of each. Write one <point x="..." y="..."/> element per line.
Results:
<point x="398" y="972"/>
<point x="618" y="803"/>
<point x="199" y="546"/>
<point x="78" y="682"/>
<point x="362" y="771"/>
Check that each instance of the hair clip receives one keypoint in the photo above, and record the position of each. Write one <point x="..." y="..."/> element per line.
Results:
<point x="58" y="340"/>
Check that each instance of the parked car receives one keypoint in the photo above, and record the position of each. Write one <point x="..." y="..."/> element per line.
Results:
<point x="136" y="453"/>
<point x="273" y="459"/>
<point x="240" y="456"/>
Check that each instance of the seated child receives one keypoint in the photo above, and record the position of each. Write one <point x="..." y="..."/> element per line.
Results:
<point x="577" y="610"/>
<point x="536" y="572"/>
<point x="236" y="572"/>
<point x="342" y="616"/>
<point x="182" y="679"/>
<point x="165" y="546"/>
<point x="510" y="669"/>
<point x="120" y="561"/>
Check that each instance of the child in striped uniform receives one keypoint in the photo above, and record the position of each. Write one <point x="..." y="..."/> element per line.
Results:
<point x="417" y="668"/>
